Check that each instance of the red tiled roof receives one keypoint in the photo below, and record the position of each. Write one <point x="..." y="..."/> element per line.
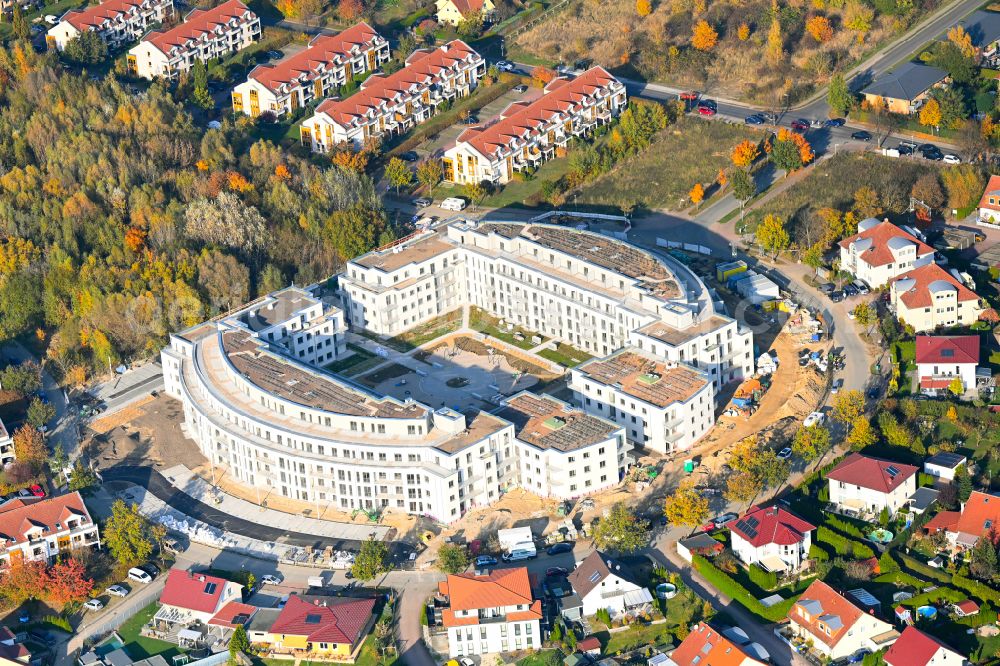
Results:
<point x="821" y="605"/>
<point x="503" y="587"/>
<point x="466" y="7"/>
<point x="980" y="513"/>
<point x="879" y="252"/>
<point x="968" y="607"/>
<point x="94" y="15"/>
<point x="705" y="645"/>
<point x="918" y="295"/>
<point x="323" y="50"/>
<point x="18" y="516"/>
<point x="196" y="592"/>
<point x="947" y="349"/>
<point x="913" y="648"/>
<point x="992" y="190"/>
<point x="944" y="520"/>
<point x="232" y="614"/>
<point x="771" y="525"/>
<point x="340" y="621"/>
<point x="422" y="67"/>
<point x="871" y="473"/>
<point x="521" y="120"/>
<point x="589" y="643"/>
<point x="196" y="24"/>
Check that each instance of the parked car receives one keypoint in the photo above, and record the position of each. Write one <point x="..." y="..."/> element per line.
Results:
<point x="906" y="147"/>
<point x="422" y="202"/>
<point x="118" y="591"/>
<point x="836" y="122"/>
<point x="172" y="544"/>
<point x="51" y="19"/>
<point x="850" y="290"/>
<point x="862" y="135"/>
<point x="466" y="661"/>
<point x="453" y="203"/>
<point x="409" y="156"/>
<point x="138" y="575"/>
<point x="934" y="155"/>
<point x="800" y="124"/>
<point x="755" y="119"/>
<point x="707" y="109"/>
<point x="486" y="561"/>
<point x="552" y="572"/>
<point x="94" y="605"/>
<point x="505" y="66"/>
<point x="952" y="159"/>
<point x="520" y="88"/>
<point x="271" y="579"/>
<point x="564" y="547"/>
<point x="37" y="491"/>
<point x="24" y="492"/>
<point x="519" y="554"/>
<point x="828" y="287"/>
<point x="837" y="384"/>
<point x="836" y="296"/>
<point x="275" y="55"/>
<point x="861" y="287"/>
<point x="724" y="519"/>
<point x="785" y="453"/>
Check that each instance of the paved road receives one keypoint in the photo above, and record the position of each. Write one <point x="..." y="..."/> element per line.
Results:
<point x="62" y="428"/>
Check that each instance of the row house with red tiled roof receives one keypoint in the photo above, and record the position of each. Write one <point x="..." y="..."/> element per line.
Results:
<point x="205" y="34"/>
<point x="880" y="251"/>
<point x="36" y="529"/>
<point x="931" y="297"/>
<point x="494" y="613"/>
<point x="116" y="22"/>
<point x="390" y="105"/>
<point x="528" y="133"/>
<point x="329" y="62"/>
<point x="772" y="537"/>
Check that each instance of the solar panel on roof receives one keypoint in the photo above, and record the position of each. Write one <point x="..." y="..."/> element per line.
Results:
<point x="313" y="618"/>
<point x="747" y="528"/>
<point x="892" y="471"/>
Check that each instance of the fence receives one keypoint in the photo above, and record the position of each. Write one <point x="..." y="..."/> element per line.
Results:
<point x="535" y="20"/>
<point x="687" y="247"/>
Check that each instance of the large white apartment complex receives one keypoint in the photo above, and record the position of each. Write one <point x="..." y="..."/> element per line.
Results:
<point x="116" y="22"/>
<point x="528" y="133"/>
<point x="204" y="34"/>
<point x="388" y="105"/>
<point x="880" y="251"/>
<point x="329" y="62"/>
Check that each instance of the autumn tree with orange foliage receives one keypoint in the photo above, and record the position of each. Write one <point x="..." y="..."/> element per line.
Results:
<point x="643" y="7"/>
<point x="237" y="182"/>
<point x="743" y="32"/>
<point x="697" y="193"/>
<point x="721" y="178"/>
<point x="541" y="76"/>
<point x="820" y="29"/>
<point x="350" y="9"/>
<point x="282" y="173"/>
<point x="347" y="158"/>
<point x="29" y="445"/>
<point x="704" y="36"/>
<point x="135" y="239"/>
<point x="745" y="153"/>
<point x="66" y="582"/>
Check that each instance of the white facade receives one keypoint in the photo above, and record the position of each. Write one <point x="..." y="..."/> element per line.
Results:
<point x="205" y="34"/>
<point x="116" y="22"/>
<point x="37" y="529"/>
<point x="390" y="105"/>
<point x="792" y="555"/>
<point x="881" y="251"/>
<point x="929" y="297"/>
<point x="940" y="370"/>
<point x="491" y="614"/>
<point x="868" y="500"/>
<point x="609" y="595"/>
<point x="494" y="637"/>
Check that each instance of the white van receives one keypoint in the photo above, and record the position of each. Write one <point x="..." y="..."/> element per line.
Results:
<point x="520" y="554"/>
<point x="453" y="203"/>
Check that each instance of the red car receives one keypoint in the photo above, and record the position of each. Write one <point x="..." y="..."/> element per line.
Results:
<point x="706" y="110"/>
<point x="37" y="491"/>
<point x="800" y="125"/>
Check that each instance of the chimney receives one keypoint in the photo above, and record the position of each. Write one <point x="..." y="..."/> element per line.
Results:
<point x="201" y="579"/>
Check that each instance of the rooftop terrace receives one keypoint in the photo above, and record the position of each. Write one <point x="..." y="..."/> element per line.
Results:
<point x="552" y="424"/>
<point x="646" y="379"/>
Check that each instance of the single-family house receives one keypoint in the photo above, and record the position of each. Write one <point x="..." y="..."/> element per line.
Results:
<point x="965" y="608"/>
<point x="190" y="597"/>
<point x="989" y="203"/>
<point x="880" y="251"/>
<point x="983" y="28"/>
<point x="836" y="627"/>
<point x="706" y="646"/>
<point x="602" y="582"/>
<point x="944" y="465"/>
<point x="42" y="528"/>
<point x="980" y="515"/>
<point x="331" y="627"/>
<point x="14" y="652"/>
<point x="929" y="297"/>
<point x="494" y="613"/>
<point x="941" y="359"/>
<point x="865" y="485"/>
<point x="772" y="537"/>
<point x="904" y="89"/>
<point x="453" y="12"/>
<point x="915" y="648"/>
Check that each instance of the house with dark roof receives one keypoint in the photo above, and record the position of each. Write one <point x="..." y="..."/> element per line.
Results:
<point x="864" y="485"/>
<point x="930" y="297"/>
<point x="604" y="583"/>
<point x="904" y="89"/>
<point x="494" y="613"/>
<point x="916" y="648"/>
<point x="880" y="251"/>
<point x="773" y="538"/>
<point x="706" y="646"/>
<point x="979" y="516"/>
<point x="453" y="12"/>
<point x="34" y="528"/>
<point x="944" y="465"/>
<point x="983" y="28"/>
<point x="325" y="627"/>
<point x="941" y="359"/>
<point x="190" y="598"/>
<point x="835" y="626"/>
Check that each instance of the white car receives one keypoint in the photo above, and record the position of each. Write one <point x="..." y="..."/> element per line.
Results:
<point x="118" y="591"/>
<point x="951" y="159"/>
<point x="51" y="19"/>
<point x="814" y="418"/>
<point x="505" y="66"/>
<point x="270" y="579"/>
<point x="785" y="453"/>
<point x="94" y="605"/>
<point x="139" y="576"/>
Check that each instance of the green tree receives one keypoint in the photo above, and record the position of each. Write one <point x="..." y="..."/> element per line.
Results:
<point x="21" y="304"/>
<point x="849" y="406"/>
<point x="398" y="173"/>
<point x="199" y="79"/>
<point x="476" y="193"/>
<point x="82" y="477"/>
<point x="785" y="156"/>
<point x="430" y="173"/>
<point x="983" y="561"/>
<point x="452" y="558"/>
<point x="126" y="535"/>
<point x="953" y="109"/>
<point x="621" y="531"/>
<point x="772" y="237"/>
<point x="19" y="23"/>
<point x="239" y="641"/>
<point x="893" y="431"/>
<point x="23" y="378"/>
<point x="87" y="48"/>
<point x="865" y="314"/>
<point x="39" y="413"/>
<point x="811" y="442"/>
<point x="58" y="461"/>
<point x="742" y="185"/>
<point x="686" y="506"/>
<point x="862" y="434"/>
<point x="963" y="483"/>
<point x="839" y="96"/>
<point x="370" y="561"/>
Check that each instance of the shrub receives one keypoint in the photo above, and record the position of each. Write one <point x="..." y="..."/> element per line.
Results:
<point x="740" y="594"/>
<point x="976" y="589"/>
<point x="843" y="545"/>
<point x="766" y="580"/>
<point x="817" y="552"/>
<point x="59" y="622"/>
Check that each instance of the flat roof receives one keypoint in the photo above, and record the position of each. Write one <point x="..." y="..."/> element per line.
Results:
<point x="402" y="254"/>
<point x="678" y="336"/>
<point x="478" y="426"/>
<point x="552" y="424"/>
<point x="276" y="308"/>
<point x="642" y="377"/>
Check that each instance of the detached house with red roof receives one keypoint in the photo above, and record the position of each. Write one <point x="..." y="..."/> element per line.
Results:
<point x="880" y="251"/>
<point x="835" y="626"/>
<point x="390" y="105"/>
<point x="528" y="133"/>
<point x="116" y="22"/>
<point x="41" y="529"/>
<point x="494" y="613"/>
<point x="929" y="297"/>
<point x="204" y="34"/>
<point x="941" y="359"/>
<point x="915" y="648"/>
<point x="328" y="627"/>
<point x="705" y="646"/>
<point x="329" y="62"/>
<point x="772" y="537"/>
<point x="864" y="485"/>
<point x="979" y="516"/>
<point x="454" y="12"/>
<point x="190" y="597"/>
<point x="989" y="204"/>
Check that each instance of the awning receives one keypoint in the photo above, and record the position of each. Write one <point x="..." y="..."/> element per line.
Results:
<point x="189" y="635"/>
<point x="638" y="597"/>
<point x="774" y="564"/>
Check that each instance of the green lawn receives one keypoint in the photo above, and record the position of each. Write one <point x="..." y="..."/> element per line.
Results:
<point x="526" y="192"/>
<point x="359" y="357"/>
<point x="566" y="355"/>
<point x="141" y="647"/>
<point x="424" y="333"/>
<point x="542" y="658"/>
<point x="58" y="8"/>
<point x="687" y="152"/>
<point x="484" y="322"/>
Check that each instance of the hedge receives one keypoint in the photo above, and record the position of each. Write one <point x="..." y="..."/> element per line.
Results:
<point x="976" y="589"/>
<point x="765" y="580"/>
<point x="901" y="578"/>
<point x="949" y="594"/>
<point x="842" y="545"/>
<point x="818" y="552"/>
<point x="732" y="589"/>
<point x="916" y="566"/>
<point x="848" y="528"/>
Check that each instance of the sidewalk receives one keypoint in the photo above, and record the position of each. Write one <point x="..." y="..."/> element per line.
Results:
<point x="187" y="482"/>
